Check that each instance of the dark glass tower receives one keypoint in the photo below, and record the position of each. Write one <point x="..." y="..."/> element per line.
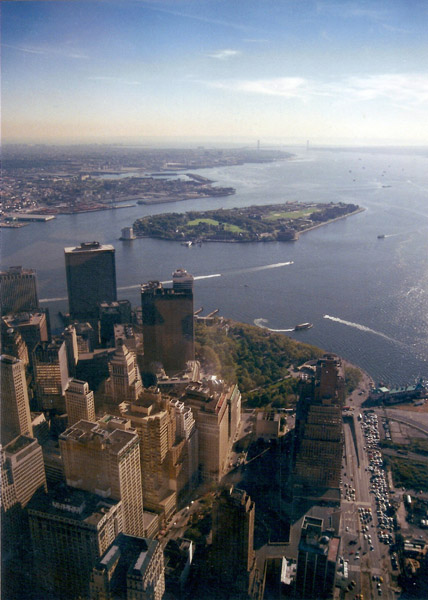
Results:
<point x="91" y="278"/>
<point x="168" y="329"/>
<point x="18" y="291"/>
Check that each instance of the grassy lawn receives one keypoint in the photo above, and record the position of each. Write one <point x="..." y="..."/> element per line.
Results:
<point x="197" y="221"/>
<point x="227" y="226"/>
<point x="410" y="474"/>
<point x="294" y="214"/>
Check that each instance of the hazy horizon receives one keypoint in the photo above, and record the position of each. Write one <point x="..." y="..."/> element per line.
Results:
<point x="208" y="71"/>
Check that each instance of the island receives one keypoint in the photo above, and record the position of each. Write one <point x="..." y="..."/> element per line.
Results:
<point x="273" y="222"/>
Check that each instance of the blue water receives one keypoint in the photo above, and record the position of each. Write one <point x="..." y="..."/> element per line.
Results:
<point x="367" y="298"/>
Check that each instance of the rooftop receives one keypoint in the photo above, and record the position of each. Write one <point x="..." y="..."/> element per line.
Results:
<point x="89" y="247"/>
<point x="64" y="502"/>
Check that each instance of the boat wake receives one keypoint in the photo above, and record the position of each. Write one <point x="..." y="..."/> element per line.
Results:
<point x="197" y="277"/>
<point x="260" y="323"/>
<point x="207" y="276"/>
<point x="134" y="287"/>
<point x="262" y="268"/>
<point x="361" y="328"/>
<point x="52" y="299"/>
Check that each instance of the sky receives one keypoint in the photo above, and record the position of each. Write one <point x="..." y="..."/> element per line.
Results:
<point x="288" y="71"/>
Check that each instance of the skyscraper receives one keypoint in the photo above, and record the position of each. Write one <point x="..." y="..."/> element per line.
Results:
<point x="154" y="421"/>
<point x="132" y="567"/>
<point x="51" y="375"/>
<point x="15" y="407"/>
<point x="22" y="471"/>
<point x="70" y="337"/>
<point x="182" y="280"/>
<point x="318" y="441"/>
<point x="124" y="383"/>
<point x="104" y="458"/>
<point x="91" y="278"/>
<point x="18" y="290"/>
<point x="168" y="329"/>
<point x="317" y="559"/>
<point x="233" y="541"/>
<point x="22" y="474"/>
<point x="70" y="530"/>
<point x="79" y="402"/>
<point x="216" y="410"/>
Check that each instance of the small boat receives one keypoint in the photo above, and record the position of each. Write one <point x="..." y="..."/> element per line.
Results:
<point x="303" y="326"/>
<point x="188" y="244"/>
<point x="381" y="236"/>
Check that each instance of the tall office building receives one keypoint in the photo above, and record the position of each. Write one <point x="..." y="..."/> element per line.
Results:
<point x="50" y="368"/>
<point x="70" y="531"/>
<point x="317" y="560"/>
<point x="104" y="458"/>
<point x="216" y="410"/>
<point x="13" y="344"/>
<point x="91" y="278"/>
<point x="318" y="441"/>
<point x="22" y="472"/>
<point x="153" y="419"/>
<point x="124" y="383"/>
<point x="18" y="290"/>
<point x="111" y="314"/>
<point x="33" y="327"/>
<point x="79" y="402"/>
<point x="233" y="542"/>
<point x="131" y="568"/>
<point x="15" y="407"/>
<point x="70" y="337"/>
<point x="185" y="429"/>
<point x="168" y="328"/>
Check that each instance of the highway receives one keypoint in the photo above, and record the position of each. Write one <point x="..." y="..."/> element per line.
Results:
<point x="363" y="564"/>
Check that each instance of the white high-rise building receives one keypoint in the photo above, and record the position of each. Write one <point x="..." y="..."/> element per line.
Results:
<point x="79" y="402"/>
<point x="15" y="407"/>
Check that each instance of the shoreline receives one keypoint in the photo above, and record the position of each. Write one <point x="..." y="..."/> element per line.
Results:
<point x="263" y="241"/>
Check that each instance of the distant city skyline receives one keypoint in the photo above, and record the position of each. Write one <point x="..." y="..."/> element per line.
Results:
<point x="177" y="71"/>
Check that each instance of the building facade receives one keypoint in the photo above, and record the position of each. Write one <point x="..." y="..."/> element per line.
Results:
<point x="233" y="555"/>
<point x="124" y="383"/>
<point x="132" y="568"/>
<point x="50" y="366"/>
<point x="104" y="458"/>
<point x="15" y="406"/>
<point x="317" y="560"/>
<point x="79" y="402"/>
<point x="168" y="327"/>
<point x="70" y="531"/>
<point x="23" y="471"/>
<point x="18" y="291"/>
<point x="153" y="419"/>
<point x="91" y="278"/>
<point x="318" y="439"/>
<point x="216" y="410"/>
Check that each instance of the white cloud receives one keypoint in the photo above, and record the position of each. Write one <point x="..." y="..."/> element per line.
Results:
<point x="289" y="87"/>
<point x="224" y="54"/>
<point x="107" y="78"/>
<point x="350" y="10"/>
<point x="47" y="51"/>
<point x="400" y="89"/>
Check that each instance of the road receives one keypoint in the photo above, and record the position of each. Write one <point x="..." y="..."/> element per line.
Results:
<point x="370" y="563"/>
